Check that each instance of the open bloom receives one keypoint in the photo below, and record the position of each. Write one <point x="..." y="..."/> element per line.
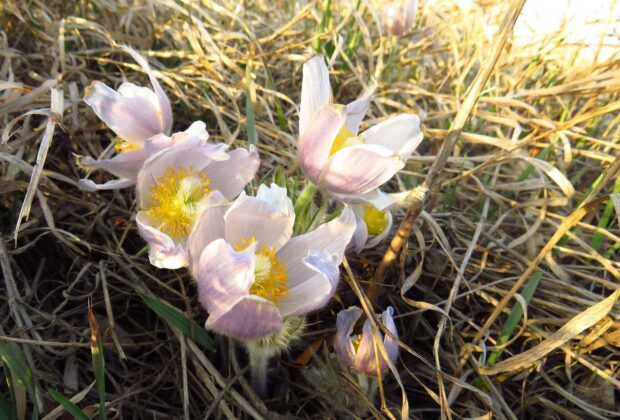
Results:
<point x="135" y="114"/>
<point x="372" y="226"/>
<point x="397" y="17"/>
<point x="252" y="274"/>
<point x="174" y="186"/>
<point x="333" y="155"/>
<point x="358" y="351"/>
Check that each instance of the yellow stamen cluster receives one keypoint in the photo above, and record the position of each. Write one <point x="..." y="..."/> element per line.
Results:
<point x="270" y="278"/>
<point x="122" y="146"/>
<point x="376" y="220"/>
<point x="343" y="139"/>
<point x="175" y="196"/>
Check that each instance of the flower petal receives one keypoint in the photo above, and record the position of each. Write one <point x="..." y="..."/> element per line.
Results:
<point x="400" y="134"/>
<point x="365" y="358"/>
<point x="345" y="321"/>
<point x="268" y="218"/>
<point x="391" y="346"/>
<point x="133" y="119"/>
<point x="195" y="134"/>
<point x="165" y="110"/>
<point x="316" y="142"/>
<point x="114" y="184"/>
<point x="209" y="226"/>
<point x="359" y="169"/>
<point x="251" y="317"/>
<point x="163" y="251"/>
<point x="331" y="237"/>
<point x="377" y="198"/>
<point x="360" y="236"/>
<point x="314" y="292"/>
<point x="224" y="276"/>
<point x="315" y="91"/>
<point x="356" y="110"/>
<point x="232" y="175"/>
<point x="124" y="165"/>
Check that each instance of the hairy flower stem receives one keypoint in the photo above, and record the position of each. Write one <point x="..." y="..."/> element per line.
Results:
<point x="258" y="367"/>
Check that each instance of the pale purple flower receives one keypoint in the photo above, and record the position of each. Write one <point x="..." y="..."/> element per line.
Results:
<point x="372" y="226"/>
<point x="358" y="351"/>
<point x="176" y="184"/>
<point x="252" y="274"/>
<point x="397" y="17"/>
<point x="136" y="114"/>
<point x="333" y="155"/>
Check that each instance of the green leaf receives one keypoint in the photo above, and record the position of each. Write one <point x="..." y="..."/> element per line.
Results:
<point x="598" y="238"/>
<point x="515" y="316"/>
<point x="179" y="321"/>
<point x="15" y="361"/>
<point x="249" y="107"/>
<point x="68" y="405"/>
<point x="6" y="407"/>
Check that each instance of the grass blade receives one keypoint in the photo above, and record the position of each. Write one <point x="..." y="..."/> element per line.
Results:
<point x="249" y="105"/>
<point x="178" y="320"/>
<point x="68" y="405"/>
<point x="20" y="375"/>
<point x="96" y="348"/>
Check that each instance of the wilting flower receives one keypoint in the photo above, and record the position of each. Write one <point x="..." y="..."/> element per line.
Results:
<point x="135" y="114"/>
<point x="397" y="17"/>
<point x="252" y="274"/>
<point x="175" y="185"/>
<point x="358" y="351"/>
<point x="333" y="155"/>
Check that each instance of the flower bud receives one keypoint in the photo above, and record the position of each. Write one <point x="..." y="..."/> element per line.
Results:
<point x="398" y="16"/>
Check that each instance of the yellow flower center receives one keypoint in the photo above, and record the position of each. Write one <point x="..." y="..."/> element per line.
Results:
<point x="175" y="196"/>
<point x="356" y="340"/>
<point x="376" y="220"/>
<point x="270" y="279"/>
<point x="343" y="139"/>
<point x="122" y="146"/>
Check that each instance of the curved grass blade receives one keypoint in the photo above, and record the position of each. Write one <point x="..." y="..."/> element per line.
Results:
<point x="68" y="405"/>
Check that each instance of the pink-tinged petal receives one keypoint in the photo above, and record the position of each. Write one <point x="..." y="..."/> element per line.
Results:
<point x="375" y="240"/>
<point x="359" y="169"/>
<point x="163" y="251"/>
<point x="209" y="226"/>
<point x="224" y="276"/>
<point x="400" y="134"/>
<point x="133" y="119"/>
<point x="124" y="165"/>
<point x="356" y="110"/>
<point x="315" y="91"/>
<point x="365" y="358"/>
<point x="377" y="198"/>
<point x="331" y="237"/>
<point x="314" y="292"/>
<point x="345" y="321"/>
<point x="251" y="317"/>
<point x="268" y="218"/>
<point x="316" y="142"/>
<point x="231" y="176"/>
<point x="391" y="346"/>
<point x="115" y="184"/>
<point x="194" y="135"/>
<point x="198" y="156"/>
<point x="164" y="108"/>
<point x="360" y="236"/>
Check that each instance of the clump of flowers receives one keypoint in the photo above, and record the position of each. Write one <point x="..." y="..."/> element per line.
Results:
<point x="258" y="273"/>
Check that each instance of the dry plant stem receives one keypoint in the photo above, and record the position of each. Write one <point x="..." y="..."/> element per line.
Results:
<point x="418" y="201"/>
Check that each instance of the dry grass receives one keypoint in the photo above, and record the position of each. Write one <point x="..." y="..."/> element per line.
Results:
<point x="523" y="195"/>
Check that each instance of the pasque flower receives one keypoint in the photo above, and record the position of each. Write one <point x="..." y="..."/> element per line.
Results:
<point x="175" y="185"/>
<point x="398" y="16"/>
<point x="252" y="275"/>
<point x="136" y="114"/>
<point x="333" y="155"/>
<point x="372" y="226"/>
<point x="358" y="351"/>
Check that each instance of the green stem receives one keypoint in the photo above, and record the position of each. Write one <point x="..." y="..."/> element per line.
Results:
<point x="305" y="197"/>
